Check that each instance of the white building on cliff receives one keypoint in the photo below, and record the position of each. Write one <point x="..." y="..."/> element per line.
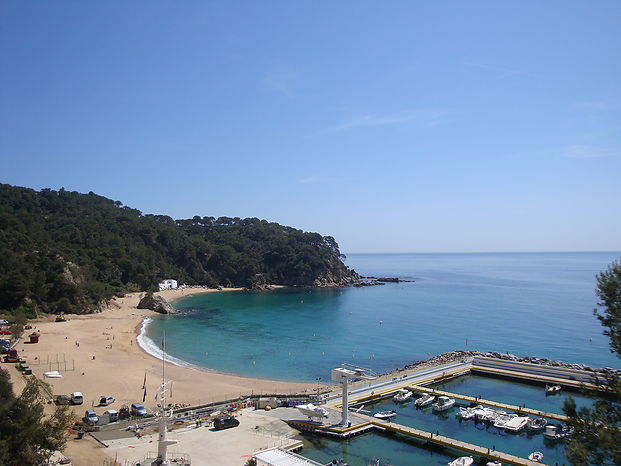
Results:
<point x="168" y="284"/>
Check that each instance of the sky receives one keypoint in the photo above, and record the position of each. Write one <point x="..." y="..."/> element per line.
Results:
<point x="402" y="126"/>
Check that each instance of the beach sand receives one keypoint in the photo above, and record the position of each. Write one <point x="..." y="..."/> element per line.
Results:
<point x="98" y="354"/>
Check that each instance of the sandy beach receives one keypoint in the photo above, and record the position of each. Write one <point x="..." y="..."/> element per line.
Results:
<point x="98" y="354"/>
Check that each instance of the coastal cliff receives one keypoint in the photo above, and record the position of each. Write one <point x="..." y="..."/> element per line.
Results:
<point x="69" y="252"/>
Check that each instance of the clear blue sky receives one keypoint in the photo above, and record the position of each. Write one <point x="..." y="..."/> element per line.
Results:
<point x="395" y="126"/>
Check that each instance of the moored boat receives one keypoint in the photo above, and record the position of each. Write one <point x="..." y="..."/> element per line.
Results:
<point x="557" y="432"/>
<point x="385" y="414"/>
<point x="465" y="413"/>
<point x="552" y="389"/>
<point x="536" y="424"/>
<point x="402" y="396"/>
<point x="425" y="400"/>
<point x="462" y="461"/>
<point x="443" y="403"/>
<point x="516" y="424"/>
<point x="503" y="419"/>
<point x="536" y="456"/>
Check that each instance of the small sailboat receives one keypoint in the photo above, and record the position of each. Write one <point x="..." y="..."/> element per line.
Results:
<point x="536" y="456"/>
<point x="402" y="396"/>
<point x="552" y="389"/>
<point x="385" y="414"/>
<point x="425" y="400"/>
<point x="462" y="461"/>
<point x="443" y="403"/>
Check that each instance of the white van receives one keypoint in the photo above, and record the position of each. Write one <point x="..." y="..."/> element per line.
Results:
<point x="77" y="398"/>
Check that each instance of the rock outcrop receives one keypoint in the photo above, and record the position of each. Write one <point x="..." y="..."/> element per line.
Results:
<point x="259" y="283"/>
<point x="157" y="304"/>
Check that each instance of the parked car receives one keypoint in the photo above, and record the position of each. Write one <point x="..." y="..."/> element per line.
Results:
<point x="106" y="400"/>
<point x="77" y="398"/>
<point x="90" y="417"/>
<point x="124" y="412"/>
<point x="224" y="422"/>
<point x="4" y="322"/>
<point x="63" y="400"/>
<point x="138" y="410"/>
<point x="112" y="414"/>
<point x="6" y="332"/>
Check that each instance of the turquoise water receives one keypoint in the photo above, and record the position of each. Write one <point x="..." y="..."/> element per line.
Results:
<point x="537" y="304"/>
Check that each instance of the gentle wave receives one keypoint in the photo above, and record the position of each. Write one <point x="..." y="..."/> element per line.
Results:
<point x="152" y="348"/>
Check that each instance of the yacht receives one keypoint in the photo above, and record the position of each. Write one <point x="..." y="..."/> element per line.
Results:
<point x="443" y="403"/>
<point x="402" y="396"/>
<point x="553" y="432"/>
<point x="425" y="400"/>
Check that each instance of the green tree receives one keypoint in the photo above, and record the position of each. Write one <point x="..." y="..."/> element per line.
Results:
<point x="27" y="435"/>
<point x="597" y="431"/>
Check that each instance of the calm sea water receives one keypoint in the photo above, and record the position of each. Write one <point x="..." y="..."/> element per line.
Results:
<point x="537" y="304"/>
<point x="400" y="452"/>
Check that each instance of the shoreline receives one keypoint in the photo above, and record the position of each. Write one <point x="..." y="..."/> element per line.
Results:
<point x="98" y="354"/>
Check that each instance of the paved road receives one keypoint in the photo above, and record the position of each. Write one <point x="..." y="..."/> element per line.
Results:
<point x="535" y="369"/>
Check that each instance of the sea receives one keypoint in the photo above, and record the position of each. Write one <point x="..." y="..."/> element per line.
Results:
<point x="527" y="304"/>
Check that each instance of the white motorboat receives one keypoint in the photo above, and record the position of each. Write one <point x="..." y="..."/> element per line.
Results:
<point x="493" y="463"/>
<point x="385" y="414"/>
<point x="402" y="396"/>
<point x="552" y="389"/>
<point x="536" y="456"/>
<point x="311" y="410"/>
<point x="462" y="461"/>
<point x="481" y="412"/>
<point x="465" y="413"/>
<point x="443" y="403"/>
<point x="516" y="424"/>
<point x="503" y="419"/>
<point x="425" y="400"/>
<point x="560" y="432"/>
<point x="536" y="424"/>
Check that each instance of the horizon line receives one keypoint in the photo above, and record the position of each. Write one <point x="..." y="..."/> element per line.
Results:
<point x="494" y="252"/>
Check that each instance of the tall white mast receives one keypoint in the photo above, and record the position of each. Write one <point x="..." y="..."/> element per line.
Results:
<point x="164" y="414"/>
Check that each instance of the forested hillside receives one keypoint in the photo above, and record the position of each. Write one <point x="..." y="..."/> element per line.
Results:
<point x="66" y="251"/>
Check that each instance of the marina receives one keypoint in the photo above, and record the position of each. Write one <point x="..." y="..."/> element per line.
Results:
<point x="518" y="425"/>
